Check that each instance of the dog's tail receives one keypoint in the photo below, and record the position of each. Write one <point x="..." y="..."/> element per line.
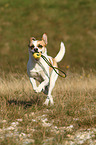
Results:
<point x="61" y="53"/>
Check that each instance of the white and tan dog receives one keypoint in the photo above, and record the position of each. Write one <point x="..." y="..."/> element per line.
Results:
<point x="39" y="70"/>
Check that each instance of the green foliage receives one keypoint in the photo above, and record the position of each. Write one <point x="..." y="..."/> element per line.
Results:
<point x="70" y="21"/>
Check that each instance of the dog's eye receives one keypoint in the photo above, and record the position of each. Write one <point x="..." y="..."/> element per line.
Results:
<point x="40" y="46"/>
<point x="32" y="46"/>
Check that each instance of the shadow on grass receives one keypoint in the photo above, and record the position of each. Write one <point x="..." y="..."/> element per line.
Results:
<point x="25" y="103"/>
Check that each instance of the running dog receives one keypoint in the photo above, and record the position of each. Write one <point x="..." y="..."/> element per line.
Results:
<point x="39" y="70"/>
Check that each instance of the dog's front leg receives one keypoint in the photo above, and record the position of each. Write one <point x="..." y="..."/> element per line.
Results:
<point x="33" y="82"/>
<point x="42" y="85"/>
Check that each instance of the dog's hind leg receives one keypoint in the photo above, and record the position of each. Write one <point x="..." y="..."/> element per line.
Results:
<point x="53" y="79"/>
<point x="45" y="91"/>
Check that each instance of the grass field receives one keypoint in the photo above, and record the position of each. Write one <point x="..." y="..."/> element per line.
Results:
<point x="23" y="117"/>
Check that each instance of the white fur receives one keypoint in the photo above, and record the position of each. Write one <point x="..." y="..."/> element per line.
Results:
<point x="61" y="53"/>
<point x="39" y="70"/>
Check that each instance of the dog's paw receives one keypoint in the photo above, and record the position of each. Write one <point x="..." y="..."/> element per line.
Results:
<point x="38" y="90"/>
<point x="46" y="102"/>
<point x="49" y="99"/>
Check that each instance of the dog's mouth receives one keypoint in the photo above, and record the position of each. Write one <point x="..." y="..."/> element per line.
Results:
<point x="36" y="52"/>
<point x="36" y="55"/>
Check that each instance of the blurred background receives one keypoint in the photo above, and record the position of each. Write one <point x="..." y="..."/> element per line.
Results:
<point x="70" y="21"/>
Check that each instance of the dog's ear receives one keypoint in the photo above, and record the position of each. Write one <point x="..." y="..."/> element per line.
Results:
<point x="31" y="41"/>
<point x="44" y="38"/>
<point x="32" y="38"/>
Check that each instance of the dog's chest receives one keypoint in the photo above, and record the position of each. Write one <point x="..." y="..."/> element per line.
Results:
<point x="36" y="75"/>
<point x="35" y="71"/>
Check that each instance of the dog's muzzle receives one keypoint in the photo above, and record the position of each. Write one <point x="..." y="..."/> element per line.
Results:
<point x="37" y="55"/>
<point x="36" y="50"/>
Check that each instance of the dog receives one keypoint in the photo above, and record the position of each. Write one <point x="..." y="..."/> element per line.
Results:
<point x="38" y="69"/>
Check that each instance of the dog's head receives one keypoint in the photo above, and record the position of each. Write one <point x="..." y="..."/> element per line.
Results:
<point x="38" y="46"/>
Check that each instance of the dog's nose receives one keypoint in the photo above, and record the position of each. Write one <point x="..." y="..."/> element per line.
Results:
<point x="36" y="49"/>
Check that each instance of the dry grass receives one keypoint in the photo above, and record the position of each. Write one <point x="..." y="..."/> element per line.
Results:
<point x="75" y="104"/>
<point x="73" y="83"/>
<point x="12" y="84"/>
<point x="77" y="83"/>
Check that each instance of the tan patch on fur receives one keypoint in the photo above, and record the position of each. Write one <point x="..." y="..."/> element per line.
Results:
<point x="50" y="68"/>
<point x="54" y="64"/>
<point x="41" y="43"/>
<point x="31" y="41"/>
